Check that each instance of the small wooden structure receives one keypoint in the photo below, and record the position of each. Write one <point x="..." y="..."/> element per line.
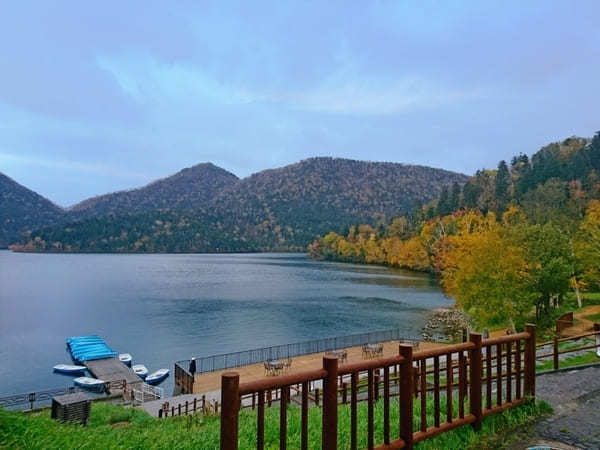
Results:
<point x="563" y="322"/>
<point x="71" y="408"/>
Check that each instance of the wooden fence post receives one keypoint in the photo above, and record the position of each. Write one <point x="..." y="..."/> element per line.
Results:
<point x="230" y="398"/>
<point x="475" y="368"/>
<point x="555" y="351"/>
<point x="530" y="361"/>
<point x="406" y="398"/>
<point x="329" y="432"/>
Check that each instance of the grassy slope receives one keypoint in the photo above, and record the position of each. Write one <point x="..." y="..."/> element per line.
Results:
<point x="117" y="427"/>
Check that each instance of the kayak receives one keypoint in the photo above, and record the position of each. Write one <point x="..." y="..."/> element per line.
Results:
<point x="125" y="358"/>
<point x="69" y="369"/>
<point x="140" y="370"/>
<point x="158" y="376"/>
<point x="89" y="383"/>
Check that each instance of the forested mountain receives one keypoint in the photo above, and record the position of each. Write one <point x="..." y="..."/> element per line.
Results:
<point x="278" y="209"/>
<point x="22" y="209"/>
<point x="193" y="187"/>
<point x="512" y="240"/>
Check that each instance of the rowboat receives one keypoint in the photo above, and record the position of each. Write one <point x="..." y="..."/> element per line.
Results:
<point x="157" y="377"/>
<point x="69" y="369"/>
<point x="89" y="383"/>
<point x="140" y="370"/>
<point x="125" y="358"/>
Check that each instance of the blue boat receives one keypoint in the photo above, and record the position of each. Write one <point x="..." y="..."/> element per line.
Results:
<point x="87" y="348"/>
<point x="69" y="369"/>
<point x="158" y="376"/>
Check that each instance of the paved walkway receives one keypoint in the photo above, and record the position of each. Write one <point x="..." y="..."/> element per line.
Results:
<point x="575" y="397"/>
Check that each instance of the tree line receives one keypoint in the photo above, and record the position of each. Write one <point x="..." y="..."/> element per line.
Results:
<point x="511" y="241"/>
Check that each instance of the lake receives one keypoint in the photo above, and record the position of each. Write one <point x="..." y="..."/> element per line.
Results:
<point x="164" y="308"/>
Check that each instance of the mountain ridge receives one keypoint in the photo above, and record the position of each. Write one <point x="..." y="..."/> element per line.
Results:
<point x="282" y="208"/>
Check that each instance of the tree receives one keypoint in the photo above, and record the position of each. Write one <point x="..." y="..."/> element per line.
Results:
<point x="587" y="245"/>
<point x="454" y="201"/>
<point x="502" y="185"/>
<point x="443" y="206"/>
<point x="488" y="277"/>
<point x="471" y="193"/>
<point x="550" y="263"/>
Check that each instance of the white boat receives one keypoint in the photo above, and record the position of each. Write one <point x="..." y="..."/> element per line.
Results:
<point x="69" y="369"/>
<point x="125" y="358"/>
<point x="89" y="383"/>
<point x="140" y="370"/>
<point x="157" y="377"/>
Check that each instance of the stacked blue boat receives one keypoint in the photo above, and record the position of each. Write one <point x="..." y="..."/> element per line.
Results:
<point x="87" y="348"/>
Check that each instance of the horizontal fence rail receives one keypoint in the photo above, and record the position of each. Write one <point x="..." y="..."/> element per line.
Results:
<point x="42" y="398"/>
<point x="429" y="392"/>
<point x="31" y="399"/>
<point x="247" y="357"/>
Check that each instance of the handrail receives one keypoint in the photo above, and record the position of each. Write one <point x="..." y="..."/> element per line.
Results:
<point x="506" y="338"/>
<point x="281" y="381"/>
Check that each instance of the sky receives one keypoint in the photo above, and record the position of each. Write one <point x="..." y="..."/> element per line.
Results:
<point x="103" y="96"/>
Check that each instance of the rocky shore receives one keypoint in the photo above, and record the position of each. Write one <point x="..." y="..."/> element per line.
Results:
<point x="446" y="324"/>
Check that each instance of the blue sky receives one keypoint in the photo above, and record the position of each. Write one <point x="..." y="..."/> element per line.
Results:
<point x="102" y="96"/>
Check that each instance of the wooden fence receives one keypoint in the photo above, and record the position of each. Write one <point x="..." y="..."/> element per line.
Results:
<point x="184" y="379"/>
<point x="509" y="363"/>
<point x="557" y="351"/>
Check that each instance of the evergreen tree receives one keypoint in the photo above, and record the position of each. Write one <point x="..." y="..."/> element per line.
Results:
<point x="443" y="206"/>
<point x="455" y="197"/>
<point x="502" y="185"/>
<point x="471" y="193"/>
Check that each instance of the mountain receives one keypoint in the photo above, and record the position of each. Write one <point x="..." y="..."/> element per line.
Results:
<point x="207" y="209"/>
<point x="189" y="188"/>
<point x="309" y="198"/>
<point x="23" y="210"/>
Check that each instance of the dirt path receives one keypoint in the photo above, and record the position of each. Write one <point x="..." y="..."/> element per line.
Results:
<point x="582" y="324"/>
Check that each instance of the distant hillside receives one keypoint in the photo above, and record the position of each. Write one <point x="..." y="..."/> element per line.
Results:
<point x="190" y="188"/>
<point x="301" y="201"/>
<point x="23" y="210"/>
<point x="279" y="209"/>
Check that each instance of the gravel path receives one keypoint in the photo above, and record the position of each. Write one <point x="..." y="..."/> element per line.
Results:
<point x="575" y="397"/>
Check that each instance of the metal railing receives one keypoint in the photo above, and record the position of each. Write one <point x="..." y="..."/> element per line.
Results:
<point x="38" y="398"/>
<point x="247" y="357"/>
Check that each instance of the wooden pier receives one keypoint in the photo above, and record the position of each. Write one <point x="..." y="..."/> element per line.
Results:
<point x="112" y="370"/>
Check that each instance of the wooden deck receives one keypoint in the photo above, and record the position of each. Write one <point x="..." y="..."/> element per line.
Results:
<point x="111" y="369"/>
<point x="211" y="381"/>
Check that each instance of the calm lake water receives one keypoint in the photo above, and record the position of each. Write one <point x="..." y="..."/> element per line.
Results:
<point x="164" y="308"/>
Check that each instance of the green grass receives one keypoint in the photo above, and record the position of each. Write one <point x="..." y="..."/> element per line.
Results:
<point x="594" y="317"/>
<point x="114" y="426"/>
<point x="587" y="358"/>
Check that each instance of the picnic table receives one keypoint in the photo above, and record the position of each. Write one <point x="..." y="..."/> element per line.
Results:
<point x="276" y="366"/>
<point x="372" y="350"/>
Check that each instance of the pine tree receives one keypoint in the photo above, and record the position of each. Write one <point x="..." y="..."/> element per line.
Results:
<point x="443" y="206"/>
<point x="502" y="185"/>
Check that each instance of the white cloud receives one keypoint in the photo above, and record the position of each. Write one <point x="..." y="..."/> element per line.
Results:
<point x="7" y="159"/>
<point x="345" y="91"/>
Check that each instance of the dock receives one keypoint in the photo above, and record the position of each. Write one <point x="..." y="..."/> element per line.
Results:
<point x="111" y="370"/>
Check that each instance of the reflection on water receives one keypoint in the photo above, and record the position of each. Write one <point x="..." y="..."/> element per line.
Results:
<point x="163" y="308"/>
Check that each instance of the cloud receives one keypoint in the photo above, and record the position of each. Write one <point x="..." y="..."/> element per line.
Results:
<point x="62" y="164"/>
<point x="344" y="92"/>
